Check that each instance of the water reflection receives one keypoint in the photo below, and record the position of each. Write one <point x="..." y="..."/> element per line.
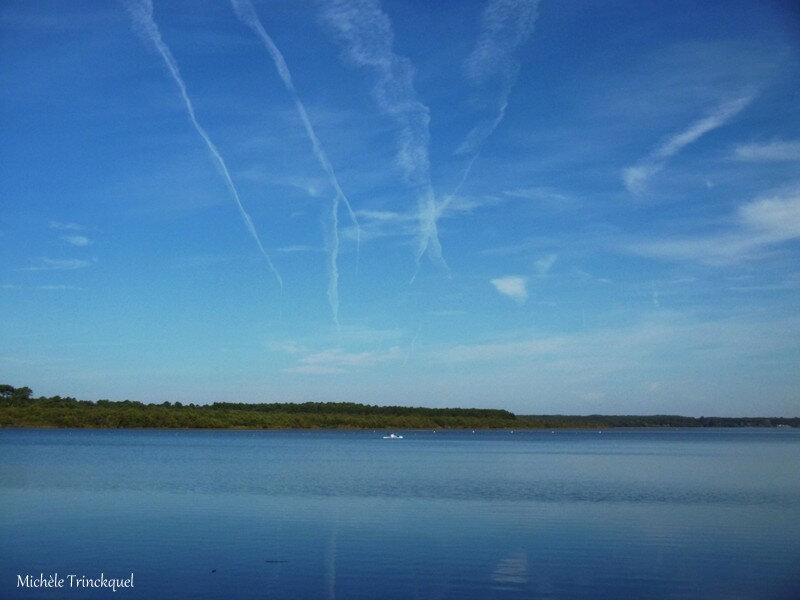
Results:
<point x="512" y="571"/>
<point x="330" y="563"/>
<point x="323" y="515"/>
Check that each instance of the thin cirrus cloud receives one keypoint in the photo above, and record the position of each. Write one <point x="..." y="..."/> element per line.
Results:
<point x="636" y="177"/>
<point x="545" y="263"/>
<point x="760" y="226"/>
<point x="383" y="223"/>
<point x="512" y="286"/>
<point x="775" y="151"/>
<point x="334" y="361"/>
<point x="601" y="353"/>
<point x="505" y="27"/>
<point x="492" y="66"/>
<point x="58" y="264"/>
<point x="57" y="287"/>
<point x="367" y="37"/>
<point x="77" y="240"/>
<point x="46" y="287"/>
<point x="545" y="196"/>
<point x="65" y="226"/>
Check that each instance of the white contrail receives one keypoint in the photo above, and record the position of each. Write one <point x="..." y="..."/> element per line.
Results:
<point x="505" y="26"/>
<point x="366" y="33"/>
<point x="635" y="177"/>
<point x="333" y="270"/>
<point x="246" y="12"/>
<point x="445" y="203"/>
<point x="141" y="12"/>
<point x="413" y="345"/>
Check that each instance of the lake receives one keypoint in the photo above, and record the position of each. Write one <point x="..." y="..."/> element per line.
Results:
<point x="667" y="513"/>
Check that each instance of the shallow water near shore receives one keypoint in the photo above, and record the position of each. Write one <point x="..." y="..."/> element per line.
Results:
<point x="667" y="513"/>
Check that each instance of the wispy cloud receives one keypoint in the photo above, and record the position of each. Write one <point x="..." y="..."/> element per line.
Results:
<point x="526" y="245"/>
<point x="57" y="287"/>
<point x="58" y="264"/>
<point x="545" y="263"/>
<point x="141" y="12"/>
<point x="290" y="347"/>
<point x="65" y="226"/>
<point x="654" y="295"/>
<point x="247" y="14"/>
<point x="638" y="346"/>
<point x="313" y="186"/>
<point x="503" y="350"/>
<point x="47" y="288"/>
<point x="77" y="240"/>
<point x="385" y="216"/>
<point x="544" y="195"/>
<point x="447" y="312"/>
<point x="336" y="360"/>
<point x="505" y="26"/>
<point x="513" y="286"/>
<point x="298" y="248"/>
<point x="778" y="216"/>
<point x="790" y="282"/>
<point x="627" y="358"/>
<point x="385" y="223"/>
<point x="777" y="151"/>
<point x="367" y="36"/>
<point x="314" y="370"/>
<point x="635" y="177"/>
<point x="759" y="225"/>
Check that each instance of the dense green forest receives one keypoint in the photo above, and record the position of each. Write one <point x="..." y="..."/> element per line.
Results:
<point x="18" y="408"/>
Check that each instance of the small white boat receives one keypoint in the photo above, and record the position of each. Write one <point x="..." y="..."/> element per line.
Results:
<point x="392" y="436"/>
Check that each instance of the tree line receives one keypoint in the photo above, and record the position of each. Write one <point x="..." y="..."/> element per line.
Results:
<point x="610" y="421"/>
<point x="19" y="408"/>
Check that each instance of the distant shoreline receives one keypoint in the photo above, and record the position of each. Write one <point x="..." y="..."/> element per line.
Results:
<point x="386" y="429"/>
<point x="18" y="408"/>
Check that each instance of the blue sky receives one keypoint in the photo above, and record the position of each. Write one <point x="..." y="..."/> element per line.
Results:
<point x="550" y="207"/>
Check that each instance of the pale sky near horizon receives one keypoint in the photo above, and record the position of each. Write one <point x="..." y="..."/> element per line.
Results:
<point x="548" y="207"/>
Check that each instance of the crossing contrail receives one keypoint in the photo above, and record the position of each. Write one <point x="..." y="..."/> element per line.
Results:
<point x="367" y="36"/>
<point x="246" y="12"/>
<point x="505" y="26"/>
<point x="141" y="12"/>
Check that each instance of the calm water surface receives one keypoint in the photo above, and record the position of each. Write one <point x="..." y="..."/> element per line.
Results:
<point x="571" y="514"/>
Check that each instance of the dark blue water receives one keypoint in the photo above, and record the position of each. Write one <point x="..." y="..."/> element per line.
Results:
<point x="214" y="514"/>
